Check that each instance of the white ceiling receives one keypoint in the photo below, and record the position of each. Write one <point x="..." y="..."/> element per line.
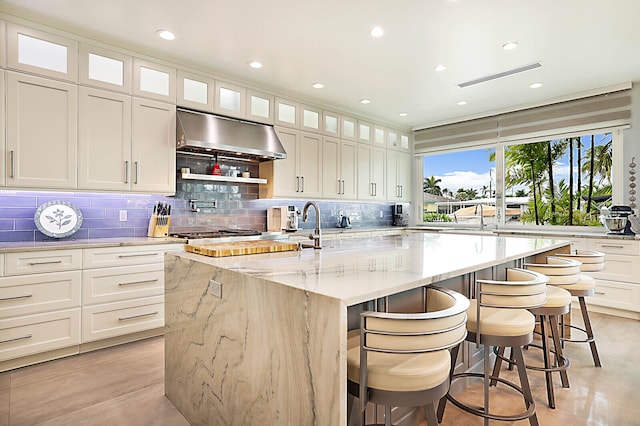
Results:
<point x="582" y="45"/>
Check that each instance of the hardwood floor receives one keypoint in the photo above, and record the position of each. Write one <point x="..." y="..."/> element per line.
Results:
<point x="124" y="385"/>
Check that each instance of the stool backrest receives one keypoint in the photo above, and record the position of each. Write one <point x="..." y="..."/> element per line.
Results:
<point x="522" y="289"/>
<point x="442" y="326"/>
<point x="559" y="270"/>
<point x="591" y="260"/>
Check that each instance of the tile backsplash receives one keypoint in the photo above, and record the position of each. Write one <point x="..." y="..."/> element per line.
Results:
<point x="238" y="206"/>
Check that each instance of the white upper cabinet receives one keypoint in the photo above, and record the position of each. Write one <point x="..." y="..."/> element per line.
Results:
<point x="379" y="136"/>
<point x="339" y="164"/>
<point x="154" y="81"/>
<point x="41" y="53"/>
<point x="105" y="69"/>
<point x="195" y="91"/>
<point x="230" y="99"/>
<point x="3" y="32"/>
<point x="348" y="128"/>
<point x="41" y="132"/>
<point x="287" y="113"/>
<point x="2" y="139"/>
<point x="398" y="176"/>
<point x="153" y="146"/>
<point x="331" y="124"/>
<point x="104" y="140"/>
<point x="260" y="107"/>
<point x="393" y="139"/>
<point x="311" y="119"/>
<point x="364" y="132"/>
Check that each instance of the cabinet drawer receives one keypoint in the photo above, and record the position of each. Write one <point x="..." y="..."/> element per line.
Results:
<point x="127" y="282"/>
<point x="616" y="295"/>
<point x="32" y="334"/>
<point x="36" y="262"/>
<point x="119" y="318"/>
<point x="615" y="246"/>
<point x="30" y="294"/>
<point x="124" y="256"/>
<point x="620" y="268"/>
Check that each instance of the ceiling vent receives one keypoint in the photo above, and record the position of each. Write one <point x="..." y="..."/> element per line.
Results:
<point x="500" y="74"/>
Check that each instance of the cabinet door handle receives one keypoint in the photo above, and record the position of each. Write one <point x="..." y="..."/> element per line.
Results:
<point x="46" y="262"/>
<point x="16" y="338"/>
<point x="126" y="171"/>
<point x="12" y="164"/>
<point x="137" y="171"/>
<point x="16" y="297"/>
<point x="302" y="178"/>
<point x="342" y="192"/>
<point x="601" y="293"/>
<point x="137" y="282"/>
<point x="138" y="316"/>
<point x="339" y="186"/>
<point x="371" y="189"/>
<point x="297" y="183"/>
<point x="401" y="191"/>
<point x="375" y="189"/>
<point x="136" y="255"/>
<point x="612" y="246"/>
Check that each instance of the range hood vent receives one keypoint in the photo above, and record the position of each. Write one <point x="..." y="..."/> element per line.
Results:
<point x="203" y="133"/>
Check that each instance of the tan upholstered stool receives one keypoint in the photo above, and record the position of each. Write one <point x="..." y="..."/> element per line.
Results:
<point x="498" y="316"/>
<point x="403" y="359"/>
<point x="592" y="261"/>
<point x="558" y="303"/>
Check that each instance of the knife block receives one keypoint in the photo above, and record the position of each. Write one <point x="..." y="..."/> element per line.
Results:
<point x="154" y="230"/>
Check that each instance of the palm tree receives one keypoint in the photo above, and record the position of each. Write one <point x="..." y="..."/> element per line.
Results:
<point x="432" y="186"/>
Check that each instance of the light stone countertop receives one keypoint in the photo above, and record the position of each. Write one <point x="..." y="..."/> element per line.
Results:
<point x="361" y="269"/>
<point x="23" y="246"/>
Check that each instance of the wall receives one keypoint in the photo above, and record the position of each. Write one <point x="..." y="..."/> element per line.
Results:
<point x="238" y="206"/>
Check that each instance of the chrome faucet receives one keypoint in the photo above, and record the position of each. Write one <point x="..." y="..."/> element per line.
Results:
<point x="316" y="236"/>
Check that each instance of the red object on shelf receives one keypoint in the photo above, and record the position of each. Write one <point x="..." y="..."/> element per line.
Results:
<point x="215" y="170"/>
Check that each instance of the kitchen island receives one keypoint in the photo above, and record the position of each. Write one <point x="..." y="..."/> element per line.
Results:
<point x="262" y="339"/>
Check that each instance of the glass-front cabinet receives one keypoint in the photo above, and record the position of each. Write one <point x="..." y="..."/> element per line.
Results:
<point x="41" y="53"/>
<point x="195" y="91"/>
<point x="105" y="69"/>
<point x="154" y="81"/>
<point x="260" y="107"/>
<point x="230" y="99"/>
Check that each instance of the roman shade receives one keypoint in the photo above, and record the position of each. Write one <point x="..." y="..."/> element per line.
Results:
<point x="604" y="111"/>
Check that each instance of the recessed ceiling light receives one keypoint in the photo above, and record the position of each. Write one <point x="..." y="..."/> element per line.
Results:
<point x="166" y="34"/>
<point x="510" y="45"/>
<point x="365" y="101"/>
<point x="403" y="114"/>
<point x="535" y="85"/>
<point x="317" y="85"/>
<point x="376" y="32"/>
<point x="255" y="64"/>
<point x="440" y="68"/>
<point x="462" y="103"/>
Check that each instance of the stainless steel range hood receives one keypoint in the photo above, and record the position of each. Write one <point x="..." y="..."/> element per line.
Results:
<point x="212" y="134"/>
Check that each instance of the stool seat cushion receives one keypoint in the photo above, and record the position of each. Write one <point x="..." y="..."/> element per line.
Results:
<point x="585" y="283"/>
<point x="400" y="372"/>
<point x="557" y="297"/>
<point x="500" y="321"/>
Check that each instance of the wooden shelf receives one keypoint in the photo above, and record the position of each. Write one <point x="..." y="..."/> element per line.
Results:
<point x="213" y="178"/>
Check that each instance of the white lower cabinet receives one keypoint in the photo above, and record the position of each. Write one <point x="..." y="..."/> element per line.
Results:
<point x="32" y="334"/>
<point x="53" y="301"/>
<point x="115" y="319"/>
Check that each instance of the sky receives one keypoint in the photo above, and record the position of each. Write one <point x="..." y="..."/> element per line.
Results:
<point x="472" y="168"/>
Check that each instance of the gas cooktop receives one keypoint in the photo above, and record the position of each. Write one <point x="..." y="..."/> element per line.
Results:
<point x="217" y="233"/>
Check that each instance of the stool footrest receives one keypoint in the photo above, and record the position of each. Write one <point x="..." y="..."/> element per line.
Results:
<point x="563" y="362"/>
<point x="480" y="411"/>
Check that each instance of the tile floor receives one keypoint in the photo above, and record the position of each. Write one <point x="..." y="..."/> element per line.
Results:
<point x="124" y="386"/>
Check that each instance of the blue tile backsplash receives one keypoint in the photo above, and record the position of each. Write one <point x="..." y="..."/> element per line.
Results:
<point x="238" y="206"/>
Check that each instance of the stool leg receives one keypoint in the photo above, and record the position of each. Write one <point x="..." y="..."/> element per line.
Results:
<point x="547" y="362"/>
<point x="587" y="326"/>
<point x="387" y="415"/>
<point x="430" y="414"/>
<point x="486" y="382"/>
<point x="497" y="366"/>
<point x="524" y="383"/>
<point x="443" y="401"/>
<point x="564" y="375"/>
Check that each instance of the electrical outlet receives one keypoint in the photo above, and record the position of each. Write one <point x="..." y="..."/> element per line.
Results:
<point x="123" y="215"/>
<point x="215" y="288"/>
<point x="381" y="214"/>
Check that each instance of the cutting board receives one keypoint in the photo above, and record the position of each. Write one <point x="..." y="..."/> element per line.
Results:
<point x="239" y="248"/>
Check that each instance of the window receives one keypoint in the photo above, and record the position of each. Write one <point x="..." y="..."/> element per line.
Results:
<point x="566" y="180"/>
<point x="459" y="186"/>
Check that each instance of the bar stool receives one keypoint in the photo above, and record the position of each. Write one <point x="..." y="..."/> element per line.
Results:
<point x="558" y="303"/>
<point x="499" y="317"/>
<point x="592" y="261"/>
<point x="403" y="358"/>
